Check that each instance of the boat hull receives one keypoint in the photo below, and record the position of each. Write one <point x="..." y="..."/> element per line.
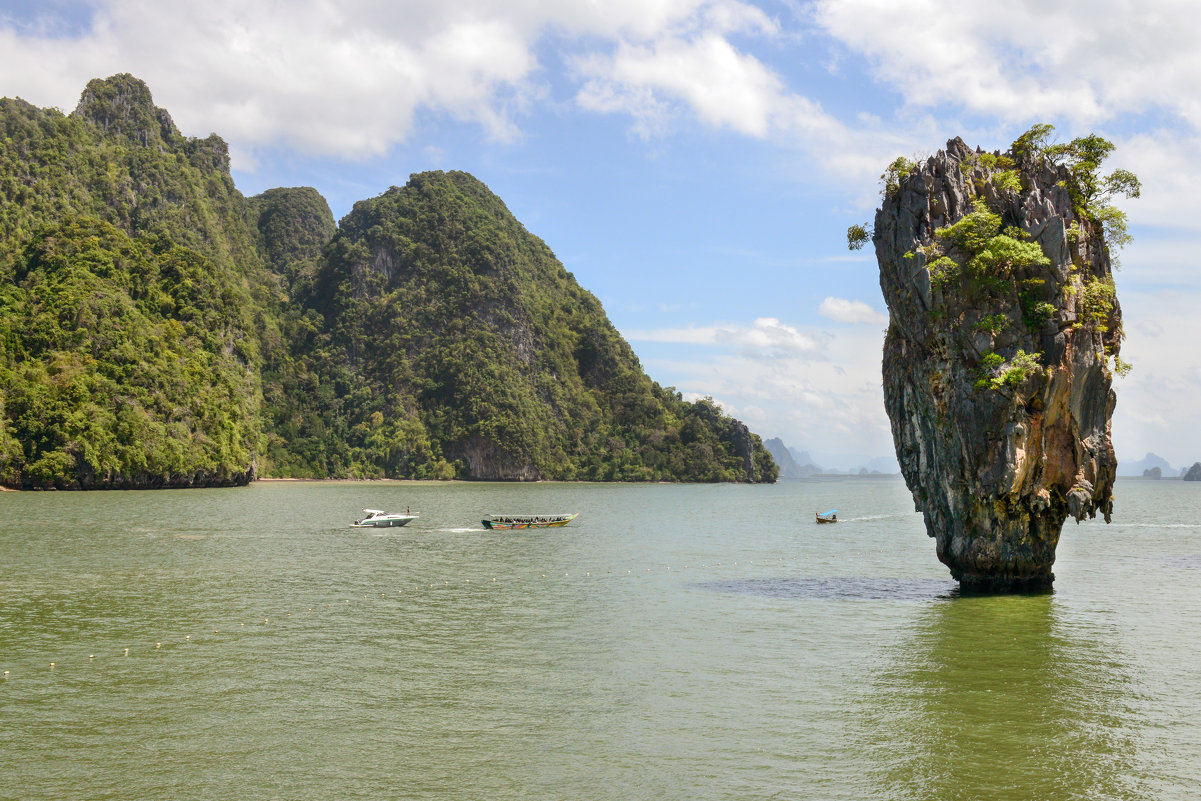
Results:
<point x="388" y="522"/>
<point x="516" y="523"/>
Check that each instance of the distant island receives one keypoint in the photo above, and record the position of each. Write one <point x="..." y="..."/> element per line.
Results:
<point x="795" y="463"/>
<point x="163" y="330"/>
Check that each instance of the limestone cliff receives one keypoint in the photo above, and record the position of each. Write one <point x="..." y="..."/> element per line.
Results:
<point x="997" y="360"/>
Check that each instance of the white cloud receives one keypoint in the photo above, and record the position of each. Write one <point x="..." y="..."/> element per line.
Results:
<point x="724" y="87"/>
<point x="766" y="336"/>
<point x="1079" y="60"/>
<point x="342" y="79"/>
<point x="349" y="79"/>
<point x="833" y="404"/>
<point x="850" y="311"/>
<point x="1153" y="413"/>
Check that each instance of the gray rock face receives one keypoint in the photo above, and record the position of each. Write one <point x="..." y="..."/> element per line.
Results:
<point x="996" y="372"/>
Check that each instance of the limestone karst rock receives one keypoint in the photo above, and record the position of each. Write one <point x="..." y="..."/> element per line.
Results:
<point x="997" y="370"/>
<point x="1193" y="473"/>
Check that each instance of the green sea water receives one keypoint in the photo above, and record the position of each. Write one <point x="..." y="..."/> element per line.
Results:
<point x="675" y="642"/>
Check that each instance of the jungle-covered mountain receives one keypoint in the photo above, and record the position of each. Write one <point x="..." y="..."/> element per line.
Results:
<point x="160" y="329"/>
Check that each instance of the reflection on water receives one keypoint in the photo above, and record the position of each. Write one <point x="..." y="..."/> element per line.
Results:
<point x="990" y="698"/>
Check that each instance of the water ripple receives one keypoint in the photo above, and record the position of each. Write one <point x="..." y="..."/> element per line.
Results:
<point x="840" y="588"/>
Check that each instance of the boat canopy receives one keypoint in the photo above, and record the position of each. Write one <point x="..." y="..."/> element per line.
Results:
<point x="831" y="512"/>
<point x="375" y="511"/>
<point x="529" y="518"/>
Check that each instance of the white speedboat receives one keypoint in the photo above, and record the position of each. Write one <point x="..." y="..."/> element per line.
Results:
<point x="378" y="518"/>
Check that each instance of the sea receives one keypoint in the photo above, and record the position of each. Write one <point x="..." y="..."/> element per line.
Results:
<point x="674" y="642"/>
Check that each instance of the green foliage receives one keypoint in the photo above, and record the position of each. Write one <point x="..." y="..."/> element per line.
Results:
<point x="894" y="174"/>
<point x="1092" y="193"/>
<point x="1113" y="226"/>
<point x="999" y="170"/>
<point x="131" y="299"/>
<point x="1073" y="232"/>
<point x="1007" y="181"/>
<point x="1036" y="312"/>
<point x="1033" y="142"/>
<point x="293" y="227"/>
<point x="943" y="271"/>
<point x="1096" y="301"/>
<point x="858" y="236"/>
<point x="992" y="360"/>
<point x="992" y="324"/>
<point x="1002" y="255"/>
<point x="130" y="363"/>
<point x="1021" y="365"/>
<point x="975" y="246"/>
<point x="997" y="372"/>
<point x="973" y="231"/>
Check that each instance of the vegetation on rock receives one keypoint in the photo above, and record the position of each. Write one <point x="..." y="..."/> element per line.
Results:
<point x="160" y="329"/>
<point x="470" y="351"/>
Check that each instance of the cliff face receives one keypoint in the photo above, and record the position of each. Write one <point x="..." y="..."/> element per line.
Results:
<point x="997" y="358"/>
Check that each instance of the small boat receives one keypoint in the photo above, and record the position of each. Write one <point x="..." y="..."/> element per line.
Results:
<point x="378" y="518"/>
<point x="829" y="517"/>
<point x="527" y="521"/>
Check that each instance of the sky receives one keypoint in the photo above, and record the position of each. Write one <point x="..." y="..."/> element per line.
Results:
<point x="694" y="163"/>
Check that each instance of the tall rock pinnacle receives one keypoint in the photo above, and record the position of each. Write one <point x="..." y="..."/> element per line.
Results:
<point x="998" y="360"/>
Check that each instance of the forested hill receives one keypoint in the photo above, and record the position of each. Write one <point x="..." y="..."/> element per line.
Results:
<point x="160" y="329"/>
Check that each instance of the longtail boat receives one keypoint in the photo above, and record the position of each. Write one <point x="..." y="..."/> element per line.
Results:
<point x="829" y="517"/>
<point x="527" y="521"/>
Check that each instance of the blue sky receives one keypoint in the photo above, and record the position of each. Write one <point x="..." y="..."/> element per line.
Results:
<point x="695" y="163"/>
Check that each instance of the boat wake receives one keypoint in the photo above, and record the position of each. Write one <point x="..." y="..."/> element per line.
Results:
<point x="873" y="518"/>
